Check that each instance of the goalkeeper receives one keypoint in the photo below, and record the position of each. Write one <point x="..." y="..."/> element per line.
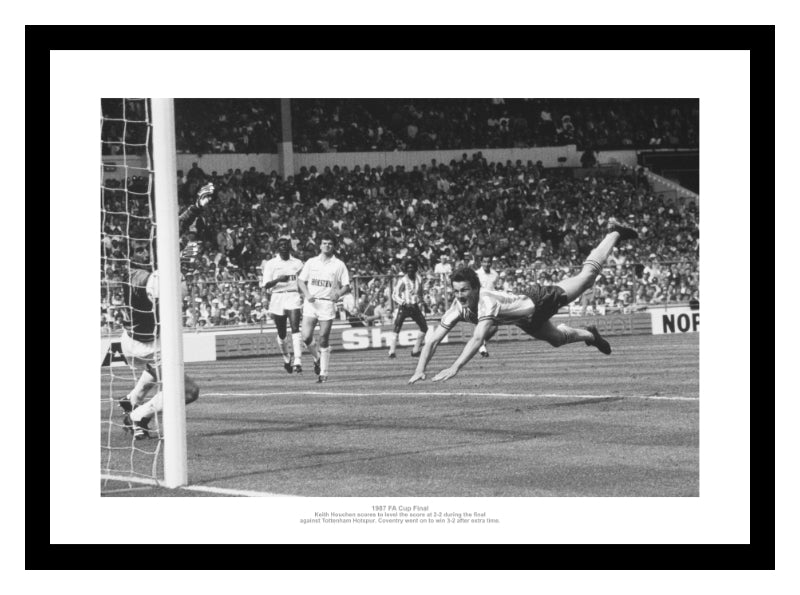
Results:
<point x="140" y="342"/>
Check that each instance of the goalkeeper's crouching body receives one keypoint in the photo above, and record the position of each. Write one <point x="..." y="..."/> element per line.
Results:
<point x="140" y="342"/>
<point x="137" y="418"/>
<point x="142" y="348"/>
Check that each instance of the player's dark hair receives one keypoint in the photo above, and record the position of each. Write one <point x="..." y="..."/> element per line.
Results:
<point x="135" y="244"/>
<point x="467" y="274"/>
<point x="328" y="236"/>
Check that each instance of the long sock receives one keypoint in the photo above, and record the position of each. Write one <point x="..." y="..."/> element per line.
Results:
<point x="313" y="350"/>
<point x="600" y="254"/>
<point x="143" y="385"/>
<point x="573" y="335"/>
<point x="418" y="343"/>
<point x="152" y="407"/>
<point x="297" y="347"/>
<point x="282" y="347"/>
<point x="392" y="342"/>
<point x="325" y="358"/>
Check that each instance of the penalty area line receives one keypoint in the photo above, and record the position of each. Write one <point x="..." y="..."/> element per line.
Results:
<point x="130" y="489"/>
<point x="414" y="393"/>
<point x="233" y="492"/>
<point x="192" y="488"/>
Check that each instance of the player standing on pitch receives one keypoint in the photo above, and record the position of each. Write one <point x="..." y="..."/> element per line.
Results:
<point x="488" y="278"/>
<point x="408" y="295"/>
<point x="531" y="312"/>
<point x="323" y="280"/>
<point x="280" y="275"/>
<point x="140" y="341"/>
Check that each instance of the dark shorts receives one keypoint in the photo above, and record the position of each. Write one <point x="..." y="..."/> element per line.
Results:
<point x="410" y="311"/>
<point x="547" y="301"/>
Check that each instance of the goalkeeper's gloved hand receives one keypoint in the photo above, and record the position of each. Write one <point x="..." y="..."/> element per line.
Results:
<point x="204" y="195"/>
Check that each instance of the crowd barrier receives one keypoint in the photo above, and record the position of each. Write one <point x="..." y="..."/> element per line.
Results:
<point x="119" y="167"/>
<point x="217" y="345"/>
<point x="549" y="156"/>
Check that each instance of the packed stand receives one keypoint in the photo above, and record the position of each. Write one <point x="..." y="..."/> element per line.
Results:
<point x="205" y="126"/>
<point x="253" y="126"/>
<point x="350" y="125"/>
<point x="538" y="224"/>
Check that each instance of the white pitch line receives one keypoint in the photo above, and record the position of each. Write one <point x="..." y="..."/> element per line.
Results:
<point x="131" y="489"/>
<point x="232" y="492"/>
<point x="210" y="489"/>
<point x="145" y="480"/>
<point x="126" y="490"/>
<point x="449" y="394"/>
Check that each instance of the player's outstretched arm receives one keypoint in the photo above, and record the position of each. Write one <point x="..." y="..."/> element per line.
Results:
<point x="484" y="331"/>
<point x="427" y="352"/>
<point x="204" y="196"/>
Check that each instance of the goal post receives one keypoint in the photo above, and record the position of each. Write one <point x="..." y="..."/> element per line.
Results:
<point x="170" y="295"/>
<point x="140" y="234"/>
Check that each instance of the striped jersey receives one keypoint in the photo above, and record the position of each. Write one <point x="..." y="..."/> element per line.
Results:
<point x="321" y="275"/>
<point x="408" y="291"/>
<point x="502" y="307"/>
<point x="277" y="267"/>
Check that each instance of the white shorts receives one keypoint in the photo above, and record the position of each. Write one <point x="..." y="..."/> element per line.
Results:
<point x="280" y="302"/>
<point x="140" y="354"/>
<point x="320" y="309"/>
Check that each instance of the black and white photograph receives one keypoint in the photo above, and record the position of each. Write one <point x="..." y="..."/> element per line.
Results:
<point x="400" y="297"/>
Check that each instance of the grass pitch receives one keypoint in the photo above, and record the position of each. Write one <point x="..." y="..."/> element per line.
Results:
<point x="530" y="420"/>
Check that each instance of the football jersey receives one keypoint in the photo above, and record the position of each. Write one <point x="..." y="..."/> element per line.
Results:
<point x="407" y="291"/>
<point x="502" y="307"/>
<point x="487" y="279"/>
<point x="140" y="318"/>
<point x="277" y="267"/>
<point x="320" y="276"/>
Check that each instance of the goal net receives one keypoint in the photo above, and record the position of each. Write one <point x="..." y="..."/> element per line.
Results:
<point x="133" y="156"/>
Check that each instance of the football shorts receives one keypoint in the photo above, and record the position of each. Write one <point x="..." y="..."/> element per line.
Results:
<point x="282" y="301"/>
<point x="546" y="300"/>
<point x="321" y="309"/>
<point x="140" y="354"/>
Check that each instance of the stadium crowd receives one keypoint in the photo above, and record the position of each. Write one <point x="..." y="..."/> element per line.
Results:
<point x="323" y="125"/>
<point x="340" y="125"/>
<point x="538" y="224"/>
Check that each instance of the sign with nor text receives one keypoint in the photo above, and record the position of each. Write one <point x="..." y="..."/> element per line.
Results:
<point x="675" y="321"/>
